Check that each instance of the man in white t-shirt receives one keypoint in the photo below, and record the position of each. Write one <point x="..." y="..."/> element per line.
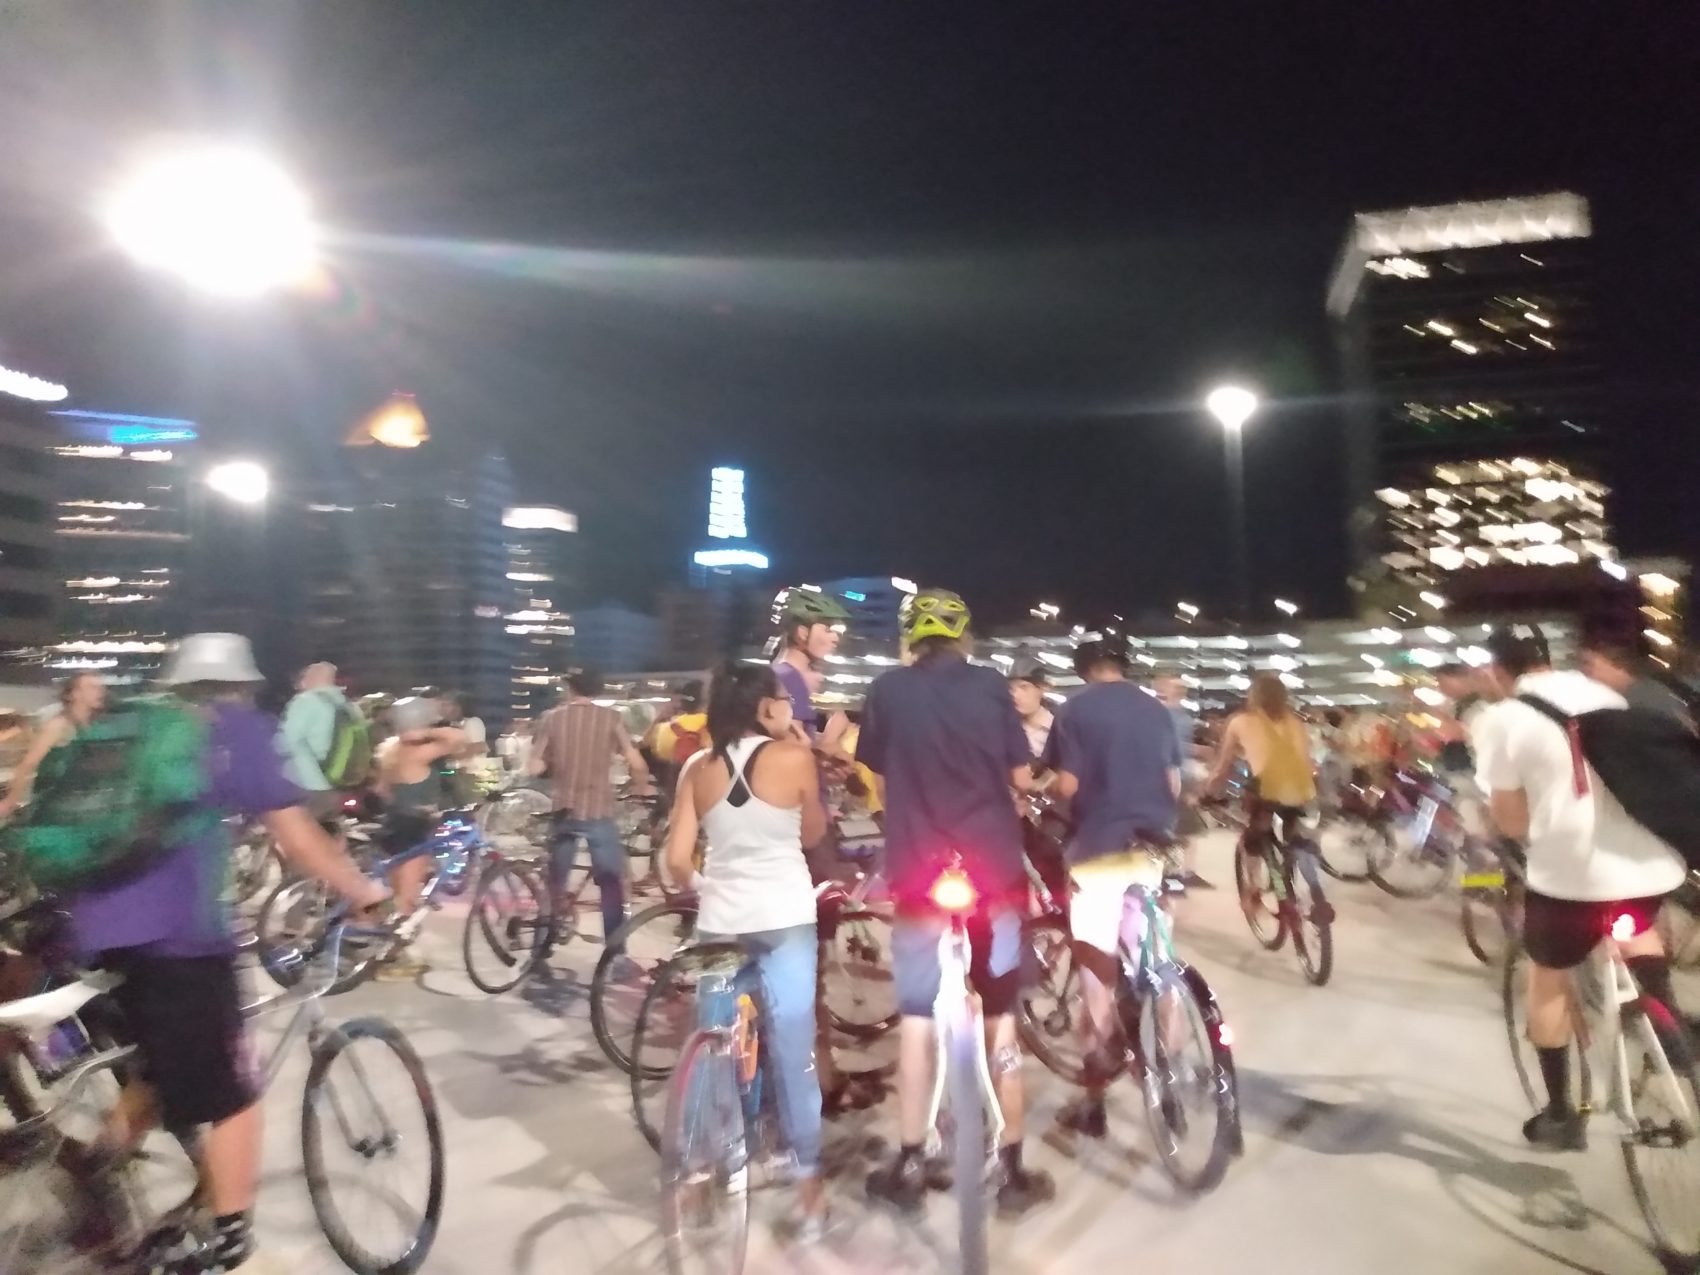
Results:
<point x="1589" y="862"/>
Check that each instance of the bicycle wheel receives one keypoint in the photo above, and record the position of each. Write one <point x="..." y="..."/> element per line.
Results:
<point x="705" y="1162"/>
<point x="256" y="868"/>
<point x="964" y="1044"/>
<point x="1514" y="1000"/>
<point x="291" y="923"/>
<point x="1662" y="1156"/>
<point x="860" y="991"/>
<point x="1051" y="1004"/>
<point x="1405" y="869"/>
<point x="626" y="968"/>
<point x="507" y="927"/>
<point x="1186" y="1073"/>
<point x="664" y="1025"/>
<point x="1343" y="847"/>
<point x="1313" y="938"/>
<point x="372" y="1145"/>
<point x="1258" y="900"/>
<point x="1489" y="929"/>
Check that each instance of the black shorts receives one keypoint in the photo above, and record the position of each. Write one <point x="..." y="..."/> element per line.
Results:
<point x="184" y="1015"/>
<point x="1559" y="933"/>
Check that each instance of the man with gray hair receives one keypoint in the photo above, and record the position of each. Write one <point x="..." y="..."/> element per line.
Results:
<point x="309" y="733"/>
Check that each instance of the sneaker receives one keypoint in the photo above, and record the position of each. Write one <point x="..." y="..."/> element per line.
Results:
<point x="1567" y="1132"/>
<point x="1024" y="1189"/>
<point x="1085" y="1116"/>
<point x="901" y="1184"/>
<point x="1322" y="912"/>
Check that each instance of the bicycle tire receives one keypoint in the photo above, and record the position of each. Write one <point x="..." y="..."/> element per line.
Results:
<point x="705" y="1078"/>
<point x="612" y="1027"/>
<point x="1313" y="941"/>
<point x="1214" y="1085"/>
<point x="320" y="1189"/>
<point x="275" y="941"/>
<point x="868" y="950"/>
<point x="1484" y="916"/>
<point x="668" y="1004"/>
<point x="964" y="1041"/>
<point x="1512" y="984"/>
<point x="1052" y="1037"/>
<point x="1267" y="924"/>
<point x="1678" y="1243"/>
<point x="1336" y="865"/>
<point x="1391" y="853"/>
<point x="497" y="933"/>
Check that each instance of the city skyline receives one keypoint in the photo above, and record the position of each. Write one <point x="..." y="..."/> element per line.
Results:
<point x="963" y="331"/>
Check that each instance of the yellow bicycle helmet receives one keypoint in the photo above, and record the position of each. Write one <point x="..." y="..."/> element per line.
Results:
<point x="933" y="613"/>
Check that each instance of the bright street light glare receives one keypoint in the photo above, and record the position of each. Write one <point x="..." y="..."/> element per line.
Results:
<point x="243" y="481"/>
<point x="225" y="219"/>
<point x="1289" y="608"/>
<point x="1231" y="405"/>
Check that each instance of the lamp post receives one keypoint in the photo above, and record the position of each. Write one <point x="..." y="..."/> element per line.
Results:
<point x="1232" y="406"/>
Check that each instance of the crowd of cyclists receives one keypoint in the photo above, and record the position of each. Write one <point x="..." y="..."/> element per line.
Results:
<point x="954" y="759"/>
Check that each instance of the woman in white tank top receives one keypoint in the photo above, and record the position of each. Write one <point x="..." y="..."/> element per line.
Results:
<point x="756" y="795"/>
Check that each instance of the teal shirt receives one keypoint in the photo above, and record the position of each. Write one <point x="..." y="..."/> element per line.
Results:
<point x="309" y="727"/>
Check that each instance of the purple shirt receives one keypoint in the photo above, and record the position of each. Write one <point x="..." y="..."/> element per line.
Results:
<point x="802" y="703"/>
<point x="177" y="907"/>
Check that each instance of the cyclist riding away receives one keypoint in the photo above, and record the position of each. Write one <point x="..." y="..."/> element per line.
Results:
<point x="945" y="737"/>
<point x="1116" y="754"/>
<point x="1589" y="862"/>
<point x="309" y="736"/>
<point x="1172" y="691"/>
<point x="757" y="797"/>
<point x="1276" y="746"/>
<point x="166" y="932"/>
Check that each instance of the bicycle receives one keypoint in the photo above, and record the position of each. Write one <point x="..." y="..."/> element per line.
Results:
<point x="1264" y="876"/>
<point x="1491" y="884"/>
<point x="1163" y="1007"/>
<point x="1635" y="1061"/>
<point x="341" y="1108"/>
<point x="719" y="1118"/>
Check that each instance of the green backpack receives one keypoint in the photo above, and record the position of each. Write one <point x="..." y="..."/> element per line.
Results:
<point x="121" y="792"/>
<point x="348" y="765"/>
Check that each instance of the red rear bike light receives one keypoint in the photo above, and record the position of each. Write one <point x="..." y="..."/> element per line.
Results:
<point x="953" y="892"/>
<point x="1224" y="1035"/>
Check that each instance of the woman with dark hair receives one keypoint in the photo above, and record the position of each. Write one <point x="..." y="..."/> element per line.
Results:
<point x="755" y="793"/>
<point x="81" y="698"/>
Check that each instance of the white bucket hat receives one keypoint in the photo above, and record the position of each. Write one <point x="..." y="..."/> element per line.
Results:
<point x="211" y="657"/>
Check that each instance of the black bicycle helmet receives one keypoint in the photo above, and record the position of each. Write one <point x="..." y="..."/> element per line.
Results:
<point x="1517" y="648"/>
<point x="1104" y="645"/>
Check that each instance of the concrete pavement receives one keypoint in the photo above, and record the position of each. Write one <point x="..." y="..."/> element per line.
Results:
<point x="1381" y="1117"/>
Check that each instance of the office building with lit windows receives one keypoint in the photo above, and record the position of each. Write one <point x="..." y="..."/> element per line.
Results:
<point x="404" y="563"/>
<point x="728" y="561"/>
<point x="543" y="572"/>
<point x="123" y="519"/>
<point x="1467" y="333"/>
<point x="29" y="583"/>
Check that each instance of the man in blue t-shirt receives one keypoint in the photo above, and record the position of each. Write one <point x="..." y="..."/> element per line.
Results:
<point x="945" y="739"/>
<point x="1117" y="755"/>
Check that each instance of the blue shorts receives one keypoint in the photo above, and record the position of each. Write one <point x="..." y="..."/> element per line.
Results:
<point x="994" y="937"/>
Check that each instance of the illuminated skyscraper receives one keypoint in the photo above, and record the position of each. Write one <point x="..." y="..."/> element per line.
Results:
<point x="543" y="571"/>
<point x="729" y="560"/>
<point x="29" y="584"/>
<point x="1468" y="334"/>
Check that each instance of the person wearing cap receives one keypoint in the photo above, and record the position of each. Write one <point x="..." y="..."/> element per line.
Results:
<point x="1589" y="862"/>
<point x="166" y="933"/>
<point x="1027" y="689"/>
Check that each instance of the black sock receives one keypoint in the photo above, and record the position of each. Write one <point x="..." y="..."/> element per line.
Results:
<point x="1555" y="1070"/>
<point x="1653" y="974"/>
<point x="232" y="1240"/>
<point x="1010" y="1155"/>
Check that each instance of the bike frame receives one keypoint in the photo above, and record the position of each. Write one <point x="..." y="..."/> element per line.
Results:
<point x="1600" y="987"/>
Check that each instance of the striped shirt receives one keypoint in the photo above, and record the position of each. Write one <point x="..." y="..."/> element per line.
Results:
<point x="576" y="744"/>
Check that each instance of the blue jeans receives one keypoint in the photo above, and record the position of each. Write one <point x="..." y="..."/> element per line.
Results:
<point x="785" y="964"/>
<point x="607" y="863"/>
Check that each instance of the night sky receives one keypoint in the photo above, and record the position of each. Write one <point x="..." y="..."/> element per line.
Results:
<point x="948" y="280"/>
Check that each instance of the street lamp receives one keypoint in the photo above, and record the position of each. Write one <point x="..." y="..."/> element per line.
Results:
<point x="1232" y="406"/>
<point x="244" y="481"/>
<point x="1285" y="607"/>
<point x="223" y="218"/>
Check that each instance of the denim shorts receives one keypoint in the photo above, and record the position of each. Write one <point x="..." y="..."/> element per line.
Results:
<point x="994" y="935"/>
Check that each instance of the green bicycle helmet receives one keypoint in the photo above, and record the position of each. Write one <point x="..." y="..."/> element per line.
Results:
<point x="933" y="613"/>
<point x="803" y="605"/>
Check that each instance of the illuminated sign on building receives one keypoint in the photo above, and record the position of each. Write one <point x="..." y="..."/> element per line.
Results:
<point x="726" y="504"/>
<point x="730" y="558"/>
<point x="538" y="518"/>
<point x="124" y="430"/>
